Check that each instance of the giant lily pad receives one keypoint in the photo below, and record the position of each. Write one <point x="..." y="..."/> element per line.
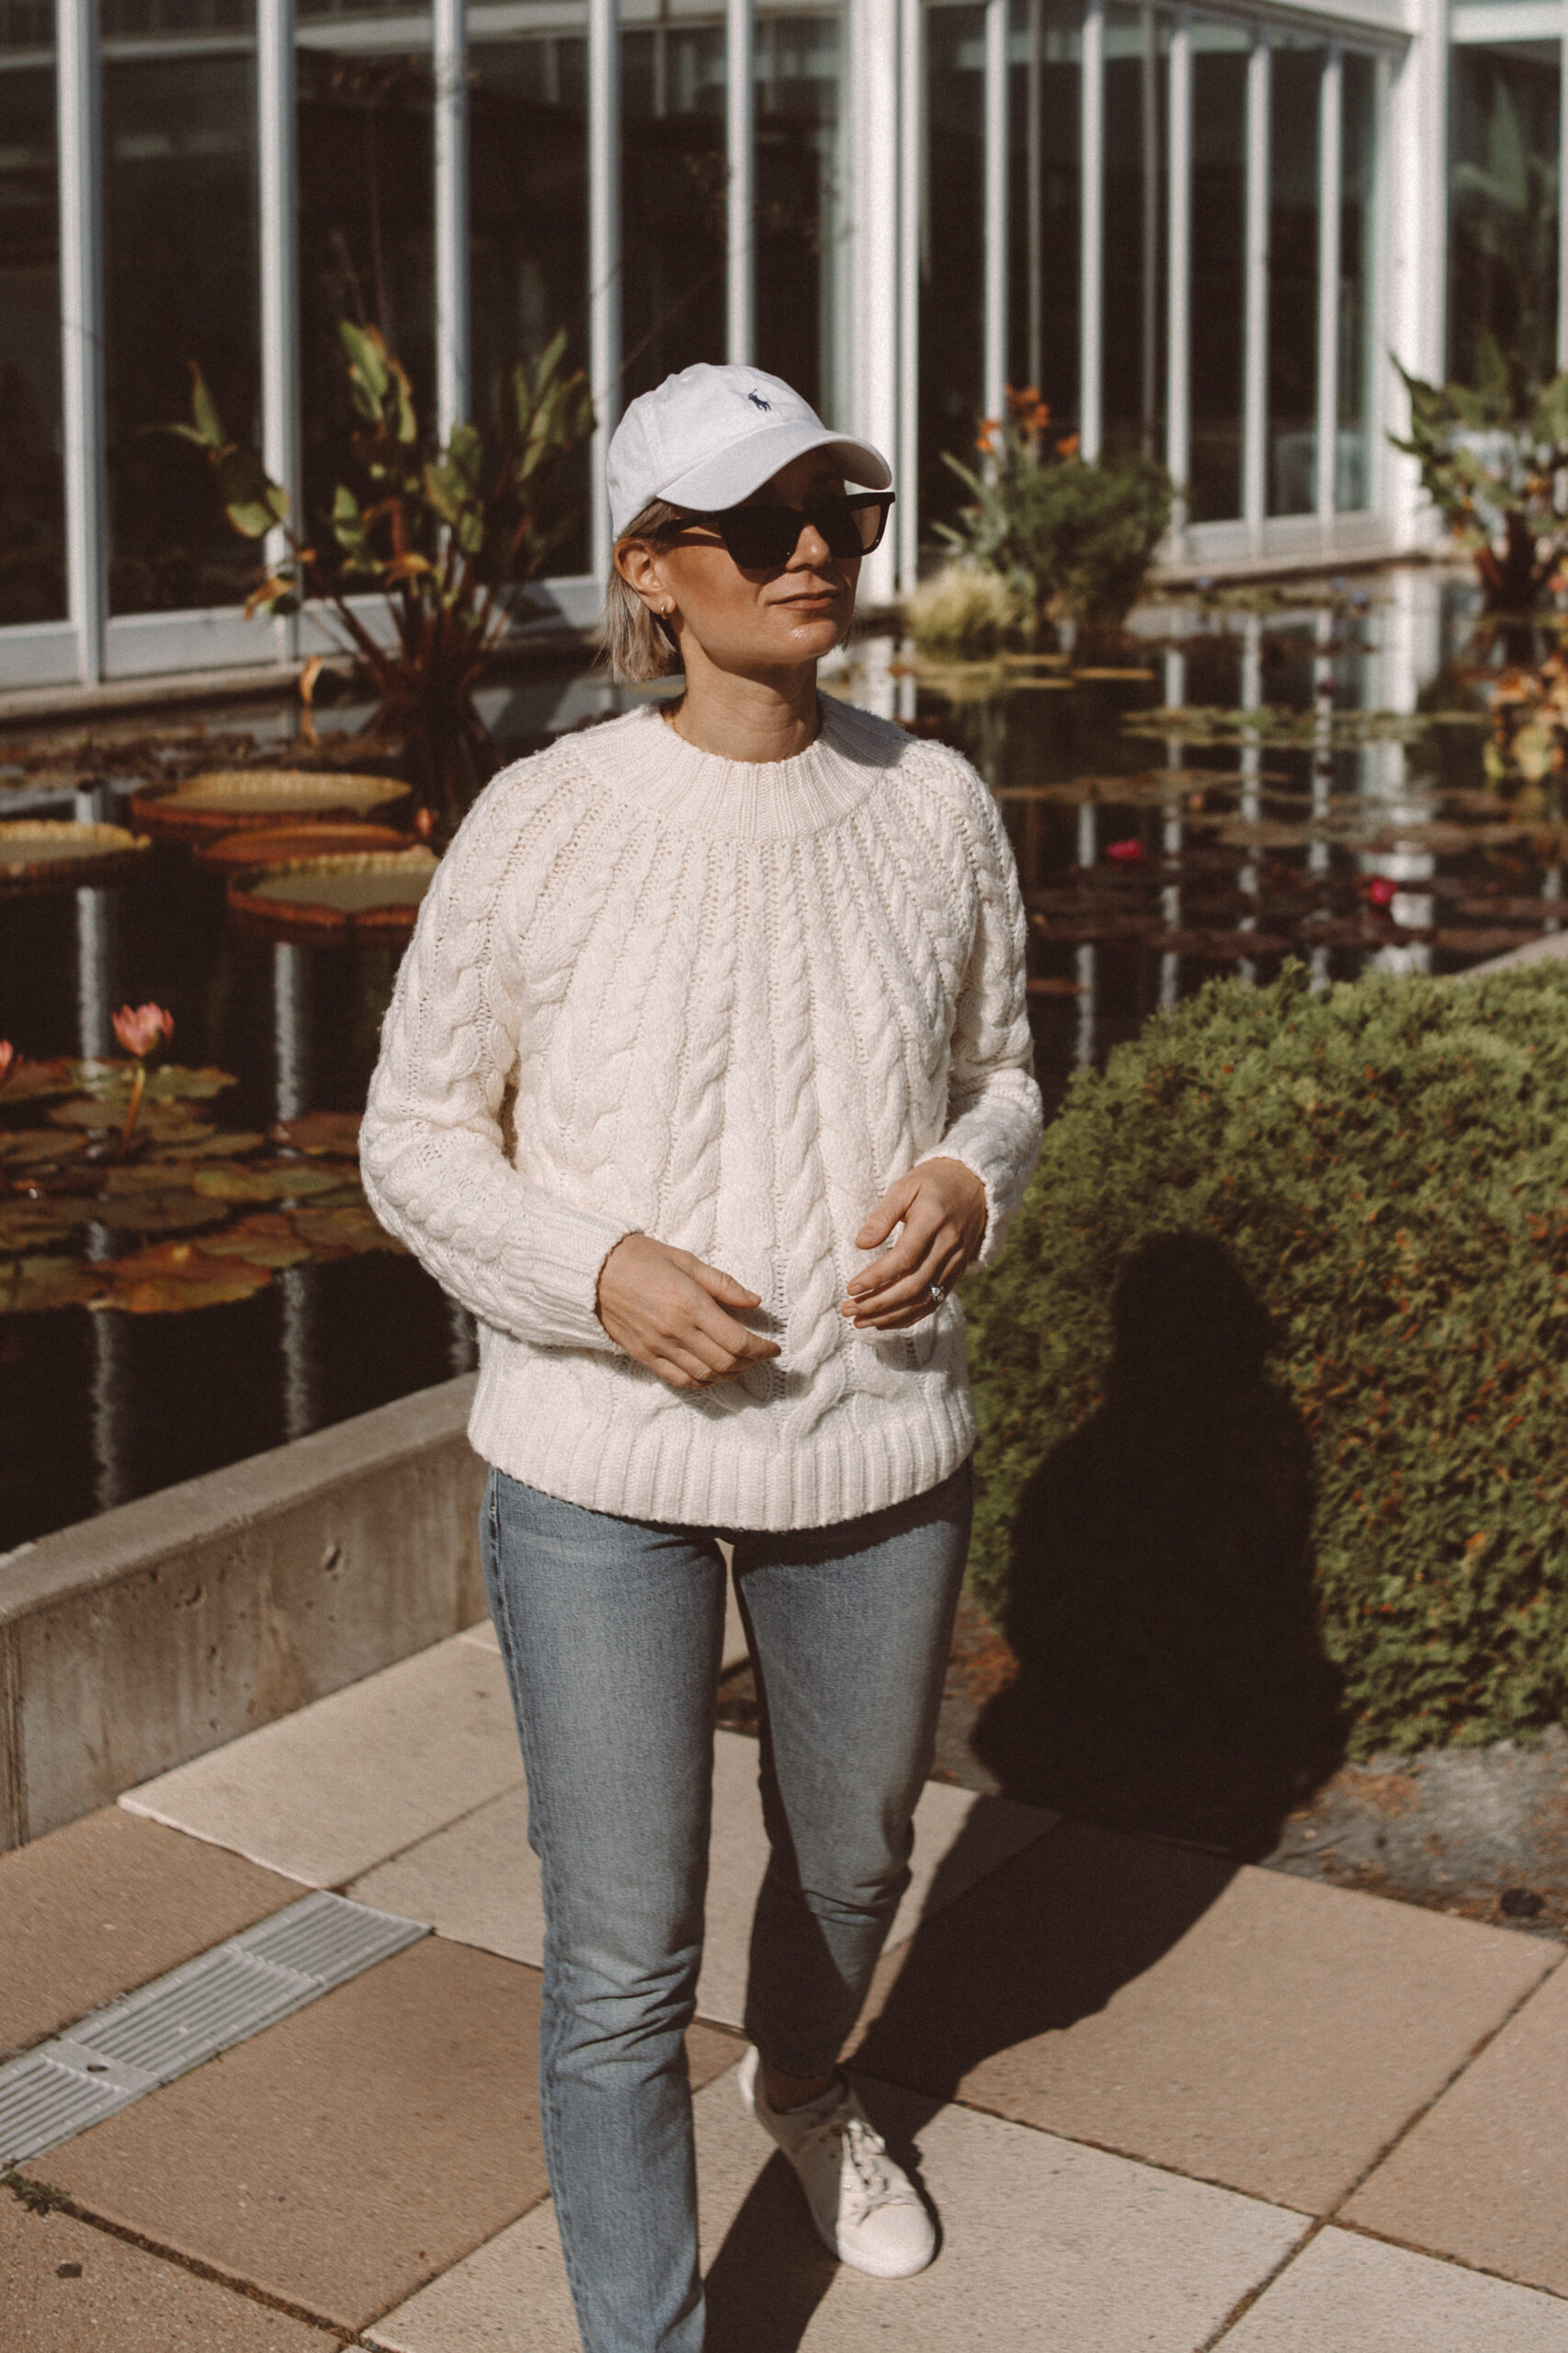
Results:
<point x="163" y="1121"/>
<point x="153" y="1201"/>
<point x="38" y="1147"/>
<point x="29" y="1081"/>
<point x="173" y="1277"/>
<point x="231" y="799"/>
<point x="375" y="895"/>
<point x="264" y="845"/>
<point x="34" y="1285"/>
<point x="169" y="1083"/>
<point x="201" y="1143"/>
<point x="49" y="854"/>
<point x="281" y="1181"/>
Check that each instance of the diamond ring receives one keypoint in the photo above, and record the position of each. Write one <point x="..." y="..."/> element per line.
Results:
<point x="937" y="1294"/>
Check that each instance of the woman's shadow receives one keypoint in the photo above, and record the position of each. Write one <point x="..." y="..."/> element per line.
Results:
<point x="1172" y="1675"/>
<point x="1172" y="1682"/>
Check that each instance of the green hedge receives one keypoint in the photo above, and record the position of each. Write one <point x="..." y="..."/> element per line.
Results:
<point x="1271" y="1375"/>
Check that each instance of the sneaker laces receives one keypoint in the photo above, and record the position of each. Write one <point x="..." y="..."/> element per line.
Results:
<point x="865" y="2149"/>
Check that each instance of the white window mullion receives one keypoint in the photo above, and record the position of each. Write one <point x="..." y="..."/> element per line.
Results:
<point x="604" y="257"/>
<point x="1562" y="204"/>
<point x="79" y="96"/>
<point x="1255" y="407"/>
<point x="450" y="76"/>
<point x="279" y="204"/>
<point x="1376" y="297"/>
<point x="1091" y="263"/>
<point x="1329" y="172"/>
<point x="740" y="192"/>
<point x="994" y="365"/>
<point x="912" y="133"/>
<point x="1179" y="273"/>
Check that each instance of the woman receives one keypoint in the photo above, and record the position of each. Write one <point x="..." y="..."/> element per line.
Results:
<point x="705" y="1007"/>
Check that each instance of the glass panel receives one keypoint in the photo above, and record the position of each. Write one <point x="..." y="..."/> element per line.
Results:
<point x="366" y="231"/>
<point x="952" y="257"/>
<point x="1359" y="346"/>
<point x="1502" y="172"/>
<point x="673" y="201"/>
<point x="1295" y="114"/>
<point x="32" y="502"/>
<point x="1044" y="212"/>
<point x="1133" y="334"/>
<point x="529" y="217"/>
<point x="180" y="285"/>
<point x="798" y="204"/>
<point x="1217" y="302"/>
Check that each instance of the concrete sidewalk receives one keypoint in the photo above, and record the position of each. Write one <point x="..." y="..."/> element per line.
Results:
<point x="1160" y="2102"/>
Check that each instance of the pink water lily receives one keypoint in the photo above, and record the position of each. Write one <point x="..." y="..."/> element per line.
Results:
<point x="141" y="1029"/>
<point x="1128" y="853"/>
<point x="8" y="1059"/>
<point x="1382" y="893"/>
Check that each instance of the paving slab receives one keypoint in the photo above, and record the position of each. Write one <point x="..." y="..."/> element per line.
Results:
<point x="479" y="1880"/>
<point x="105" y="1904"/>
<point x="1045" y="2245"/>
<point x="65" y="2286"/>
<point x="327" y="1792"/>
<point x="1356" y="2293"/>
<point x="1238" y="2025"/>
<point x="350" y="2154"/>
<point x="1484" y="2175"/>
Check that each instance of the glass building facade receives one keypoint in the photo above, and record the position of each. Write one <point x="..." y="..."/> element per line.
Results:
<point x="1199" y="231"/>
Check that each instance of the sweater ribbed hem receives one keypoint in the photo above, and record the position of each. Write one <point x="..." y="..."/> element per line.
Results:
<point x="669" y="1467"/>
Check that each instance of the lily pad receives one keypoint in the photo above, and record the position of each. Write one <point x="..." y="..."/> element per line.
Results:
<point x="173" y="1277"/>
<point x="36" y="1147"/>
<point x="176" y="1210"/>
<point x="268" y="1239"/>
<point x="26" y="1223"/>
<point x="34" y="1285"/>
<point x="163" y="1122"/>
<point x="263" y="845"/>
<point x="230" y="800"/>
<point x="330" y="899"/>
<point x="201" y="1143"/>
<point x="320" y="1133"/>
<point x="332" y="1233"/>
<point x="53" y="854"/>
<point x="282" y="1180"/>
<point x="169" y="1083"/>
<point x="29" y="1080"/>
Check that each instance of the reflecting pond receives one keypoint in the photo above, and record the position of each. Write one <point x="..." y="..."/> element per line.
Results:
<point x="1244" y="781"/>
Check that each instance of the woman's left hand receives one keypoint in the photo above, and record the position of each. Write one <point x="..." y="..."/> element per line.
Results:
<point x="941" y="1206"/>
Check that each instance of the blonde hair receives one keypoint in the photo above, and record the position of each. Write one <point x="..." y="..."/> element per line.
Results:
<point x="638" y="644"/>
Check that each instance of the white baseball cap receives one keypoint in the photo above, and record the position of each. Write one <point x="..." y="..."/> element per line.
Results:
<point x="710" y="437"/>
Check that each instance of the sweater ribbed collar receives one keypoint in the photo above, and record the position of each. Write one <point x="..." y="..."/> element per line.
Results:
<point x="642" y="759"/>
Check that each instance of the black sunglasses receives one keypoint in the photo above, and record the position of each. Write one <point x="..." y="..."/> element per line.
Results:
<point x="762" y="539"/>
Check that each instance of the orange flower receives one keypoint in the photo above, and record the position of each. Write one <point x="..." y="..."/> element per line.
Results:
<point x="1069" y="448"/>
<point x="984" y="444"/>
<point x="142" y="1028"/>
<point x="7" y="1059"/>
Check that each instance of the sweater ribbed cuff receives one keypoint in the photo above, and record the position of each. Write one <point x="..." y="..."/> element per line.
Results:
<point x="554" y="1267"/>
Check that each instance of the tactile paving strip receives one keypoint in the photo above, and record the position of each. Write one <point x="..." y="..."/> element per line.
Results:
<point x="120" y="2054"/>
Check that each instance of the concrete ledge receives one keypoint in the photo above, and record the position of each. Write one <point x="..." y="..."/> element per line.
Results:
<point x="132" y="1641"/>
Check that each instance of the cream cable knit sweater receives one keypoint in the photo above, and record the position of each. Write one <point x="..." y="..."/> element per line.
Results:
<point x="656" y="991"/>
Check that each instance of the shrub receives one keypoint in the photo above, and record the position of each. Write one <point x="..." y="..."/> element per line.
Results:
<point x="1368" y="1188"/>
<point x="1075" y="540"/>
<point x="966" y="610"/>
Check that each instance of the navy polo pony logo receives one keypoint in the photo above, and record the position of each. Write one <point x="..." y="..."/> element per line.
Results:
<point x="757" y="402"/>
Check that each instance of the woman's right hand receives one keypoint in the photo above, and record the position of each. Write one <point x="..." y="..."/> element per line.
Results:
<point x="666" y="1309"/>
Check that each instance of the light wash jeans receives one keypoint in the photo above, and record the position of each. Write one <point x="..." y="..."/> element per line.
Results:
<point x="611" y="1632"/>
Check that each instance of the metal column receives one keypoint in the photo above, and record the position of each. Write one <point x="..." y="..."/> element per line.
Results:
<point x="994" y="372"/>
<point x="1091" y="270"/>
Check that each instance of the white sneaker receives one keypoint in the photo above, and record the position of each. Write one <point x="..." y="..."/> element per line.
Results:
<point x="865" y="2206"/>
